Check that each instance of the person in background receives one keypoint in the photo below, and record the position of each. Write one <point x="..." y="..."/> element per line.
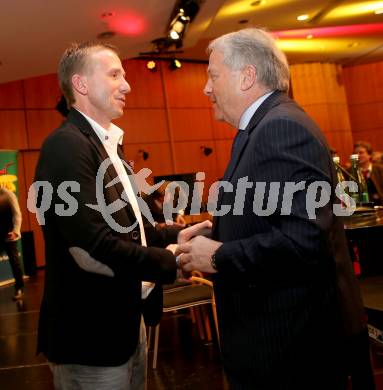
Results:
<point x="287" y="300"/>
<point x="101" y="261"/>
<point x="10" y="225"/>
<point x="156" y="201"/>
<point x="372" y="172"/>
<point x="377" y="157"/>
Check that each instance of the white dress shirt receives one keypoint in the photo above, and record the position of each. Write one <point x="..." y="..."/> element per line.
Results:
<point x="110" y="138"/>
<point x="249" y="112"/>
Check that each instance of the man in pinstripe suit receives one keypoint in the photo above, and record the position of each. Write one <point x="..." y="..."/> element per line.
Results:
<point x="284" y="285"/>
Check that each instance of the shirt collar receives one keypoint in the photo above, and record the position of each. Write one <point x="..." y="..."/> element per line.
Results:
<point x="113" y="133"/>
<point x="250" y="111"/>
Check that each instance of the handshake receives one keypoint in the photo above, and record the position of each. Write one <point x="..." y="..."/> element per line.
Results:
<point x="194" y="250"/>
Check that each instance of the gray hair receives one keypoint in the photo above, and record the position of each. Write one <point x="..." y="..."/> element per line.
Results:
<point x="254" y="46"/>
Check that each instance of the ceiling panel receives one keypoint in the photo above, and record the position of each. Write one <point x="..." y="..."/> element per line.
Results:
<point x="36" y="32"/>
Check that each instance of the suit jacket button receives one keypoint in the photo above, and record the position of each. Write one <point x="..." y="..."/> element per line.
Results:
<point x="135" y="235"/>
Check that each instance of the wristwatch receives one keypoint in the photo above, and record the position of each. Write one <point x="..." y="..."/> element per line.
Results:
<point x="212" y="262"/>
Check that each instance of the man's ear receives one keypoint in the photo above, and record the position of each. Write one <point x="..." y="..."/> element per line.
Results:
<point x="248" y="77"/>
<point x="79" y="84"/>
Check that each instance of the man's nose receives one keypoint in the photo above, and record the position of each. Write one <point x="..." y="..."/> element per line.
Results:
<point x="125" y="87"/>
<point x="207" y="90"/>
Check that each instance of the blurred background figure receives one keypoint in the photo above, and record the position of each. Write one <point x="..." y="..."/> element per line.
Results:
<point x="10" y="224"/>
<point x="372" y="172"/>
<point x="156" y="201"/>
<point x="377" y="157"/>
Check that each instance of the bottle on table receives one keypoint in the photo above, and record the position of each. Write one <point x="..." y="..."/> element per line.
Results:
<point x="361" y="196"/>
<point x="340" y="177"/>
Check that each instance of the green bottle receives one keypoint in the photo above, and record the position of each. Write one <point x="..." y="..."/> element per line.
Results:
<point x="361" y="196"/>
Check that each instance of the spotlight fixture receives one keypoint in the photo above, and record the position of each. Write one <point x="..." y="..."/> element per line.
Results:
<point x="178" y="25"/>
<point x="183" y="13"/>
<point x="175" y="64"/>
<point x="206" y="150"/>
<point x="151" y="65"/>
<point x="353" y="44"/>
<point x="303" y="17"/>
<point x="144" y="154"/>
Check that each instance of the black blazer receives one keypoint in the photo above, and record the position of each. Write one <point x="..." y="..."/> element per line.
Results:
<point x="282" y="277"/>
<point x="88" y="318"/>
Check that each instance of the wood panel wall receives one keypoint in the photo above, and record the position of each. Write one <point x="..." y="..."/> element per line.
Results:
<point x="364" y="88"/>
<point x="168" y="117"/>
<point x="320" y="90"/>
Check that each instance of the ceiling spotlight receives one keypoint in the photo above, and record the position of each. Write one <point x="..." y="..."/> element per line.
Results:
<point x="182" y="15"/>
<point x="178" y="25"/>
<point x="353" y="44"/>
<point x="174" y="35"/>
<point x="151" y="65"/>
<point x="302" y="18"/>
<point x="175" y="64"/>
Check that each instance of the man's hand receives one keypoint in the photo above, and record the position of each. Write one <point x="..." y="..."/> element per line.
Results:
<point x="195" y="255"/>
<point x="199" y="229"/>
<point x="170" y="223"/>
<point x="180" y="220"/>
<point x="12" y="236"/>
<point x="172" y="248"/>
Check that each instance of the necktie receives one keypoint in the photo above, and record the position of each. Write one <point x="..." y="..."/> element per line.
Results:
<point x="237" y="141"/>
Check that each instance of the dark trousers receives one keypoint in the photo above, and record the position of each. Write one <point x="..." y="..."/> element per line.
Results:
<point x="358" y="358"/>
<point x="320" y="368"/>
<point x="10" y="248"/>
<point x="355" y="362"/>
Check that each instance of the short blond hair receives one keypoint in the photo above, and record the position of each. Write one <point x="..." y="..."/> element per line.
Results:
<point x="74" y="60"/>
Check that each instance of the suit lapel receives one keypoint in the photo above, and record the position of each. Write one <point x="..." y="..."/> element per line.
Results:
<point x="84" y="126"/>
<point x="257" y="117"/>
<point x="236" y="154"/>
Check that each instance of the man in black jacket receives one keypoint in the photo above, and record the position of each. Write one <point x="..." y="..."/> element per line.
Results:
<point x="97" y="249"/>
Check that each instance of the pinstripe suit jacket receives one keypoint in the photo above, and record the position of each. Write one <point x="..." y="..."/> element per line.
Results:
<point x="283" y="281"/>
